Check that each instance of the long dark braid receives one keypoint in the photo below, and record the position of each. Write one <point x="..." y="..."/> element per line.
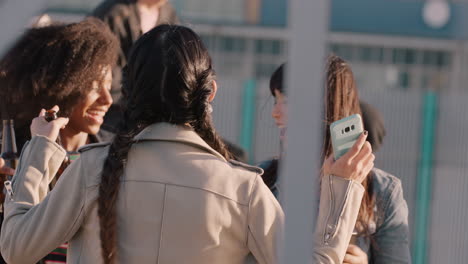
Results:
<point x="109" y="188"/>
<point x="204" y="125"/>
<point x="169" y="78"/>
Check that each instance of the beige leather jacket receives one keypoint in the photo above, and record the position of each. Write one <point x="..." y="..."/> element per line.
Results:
<point x="180" y="202"/>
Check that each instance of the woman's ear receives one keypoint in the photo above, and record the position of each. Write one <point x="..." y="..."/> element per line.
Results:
<point x="213" y="94"/>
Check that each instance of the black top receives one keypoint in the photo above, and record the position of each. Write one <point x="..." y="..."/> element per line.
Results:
<point x="123" y="19"/>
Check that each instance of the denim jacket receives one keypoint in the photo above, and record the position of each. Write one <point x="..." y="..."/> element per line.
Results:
<point x="389" y="233"/>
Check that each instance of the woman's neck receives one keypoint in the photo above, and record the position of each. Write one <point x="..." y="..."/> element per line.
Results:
<point x="71" y="141"/>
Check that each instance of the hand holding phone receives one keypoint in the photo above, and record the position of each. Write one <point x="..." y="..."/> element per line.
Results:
<point x="353" y="158"/>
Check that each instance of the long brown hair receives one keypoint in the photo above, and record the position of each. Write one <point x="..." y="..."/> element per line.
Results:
<point x="342" y="100"/>
<point x="168" y="78"/>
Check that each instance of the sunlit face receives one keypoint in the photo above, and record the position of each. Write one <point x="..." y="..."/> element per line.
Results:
<point x="280" y="111"/>
<point x="88" y="115"/>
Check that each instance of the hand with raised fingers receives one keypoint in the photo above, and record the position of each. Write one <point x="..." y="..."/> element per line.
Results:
<point x="41" y="127"/>
<point x="355" y="164"/>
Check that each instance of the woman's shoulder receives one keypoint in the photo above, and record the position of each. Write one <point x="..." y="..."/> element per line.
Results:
<point x="249" y="169"/>
<point x="388" y="192"/>
<point x="383" y="182"/>
<point x="93" y="157"/>
<point x="243" y="173"/>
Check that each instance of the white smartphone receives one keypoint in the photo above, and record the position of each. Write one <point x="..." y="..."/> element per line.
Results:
<point x="344" y="134"/>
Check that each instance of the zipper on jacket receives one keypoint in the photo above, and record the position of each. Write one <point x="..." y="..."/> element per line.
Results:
<point x="332" y="228"/>
<point x="329" y="228"/>
<point x="9" y="189"/>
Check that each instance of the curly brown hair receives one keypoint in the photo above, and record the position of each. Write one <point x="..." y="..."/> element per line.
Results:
<point x="54" y="65"/>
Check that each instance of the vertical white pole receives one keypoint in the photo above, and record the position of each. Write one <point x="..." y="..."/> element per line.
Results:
<point x="15" y="15"/>
<point x="300" y="174"/>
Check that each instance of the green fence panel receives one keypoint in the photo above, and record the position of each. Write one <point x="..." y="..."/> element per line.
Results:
<point x="424" y="181"/>
<point x="247" y="133"/>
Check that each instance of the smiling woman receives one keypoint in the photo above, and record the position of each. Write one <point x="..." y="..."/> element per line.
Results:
<point x="64" y="65"/>
<point x="90" y="111"/>
<point x="88" y="114"/>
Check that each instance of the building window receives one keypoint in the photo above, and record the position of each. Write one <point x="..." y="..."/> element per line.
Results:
<point x="268" y="46"/>
<point x="406" y="68"/>
<point x="231" y="44"/>
<point x="370" y="54"/>
<point x="264" y="70"/>
<point x="436" y="58"/>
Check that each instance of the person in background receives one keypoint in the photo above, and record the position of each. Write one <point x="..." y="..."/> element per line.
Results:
<point x="128" y="20"/>
<point x="374" y="123"/>
<point x="381" y="231"/>
<point x="65" y="65"/>
<point x="279" y="114"/>
<point x="165" y="183"/>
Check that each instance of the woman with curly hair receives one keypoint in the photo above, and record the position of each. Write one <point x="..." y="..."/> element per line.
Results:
<point x="64" y="65"/>
<point x="164" y="190"/>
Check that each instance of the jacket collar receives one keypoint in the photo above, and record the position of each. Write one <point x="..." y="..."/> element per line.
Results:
<point x="175" y="133"/>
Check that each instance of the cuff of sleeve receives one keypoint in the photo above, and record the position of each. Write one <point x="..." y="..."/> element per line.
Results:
<point x="340" y="200"/>
<point x="344" y="197"/>
<point x="39" y="162"/>
<point x="52" y="153"/>
<point x="343" y="183"/>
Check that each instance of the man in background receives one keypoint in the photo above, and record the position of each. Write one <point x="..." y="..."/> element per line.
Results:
<point x="128" y="20"/>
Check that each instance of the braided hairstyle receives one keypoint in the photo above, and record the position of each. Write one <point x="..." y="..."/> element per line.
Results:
<point x="342" y="100"/>
<point x="168" y="78"/>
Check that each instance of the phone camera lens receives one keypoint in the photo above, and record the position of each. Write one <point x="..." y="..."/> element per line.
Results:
<point x="352" y="127"/>
<point x="347" y="129"/>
